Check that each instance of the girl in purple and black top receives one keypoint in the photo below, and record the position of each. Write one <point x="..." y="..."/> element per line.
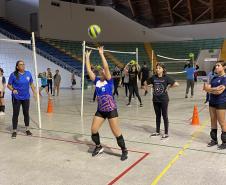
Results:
<point x="106" y="105"/>
<point x="217" y="104"/>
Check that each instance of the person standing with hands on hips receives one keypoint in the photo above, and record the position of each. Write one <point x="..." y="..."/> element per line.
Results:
<point x="217" y="104"/>
<point x="161" y="83"/>
<point x="19" y="83"/>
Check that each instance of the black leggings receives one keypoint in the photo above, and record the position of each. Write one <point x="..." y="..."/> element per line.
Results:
<point x="94" y="95"/>
<point x="16" y="110"/>
<point x="161" y="108"/>
<point x="133" y="88"/>
<point x="50" y="85"/>
<point x="116" y="84"/>
<point x="126" y="85"/>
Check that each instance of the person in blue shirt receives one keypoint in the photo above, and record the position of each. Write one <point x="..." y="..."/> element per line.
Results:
<point x="217" y="104"/>
<point x="19" y="83"/>
<point x="106" y="105"/>
<point x="190" y="71"/>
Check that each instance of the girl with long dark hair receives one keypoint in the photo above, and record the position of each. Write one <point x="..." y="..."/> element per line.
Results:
<point x="161" y="83"/>
<point x="217" y="104"/>
<point x="19" y="84"/>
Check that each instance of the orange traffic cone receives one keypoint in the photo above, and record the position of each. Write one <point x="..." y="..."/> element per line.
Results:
<point x="195" y="117"/>
<point x="50" y="106"/>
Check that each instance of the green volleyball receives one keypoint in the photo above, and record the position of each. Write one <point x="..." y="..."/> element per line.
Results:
<point x="94" y="31"/>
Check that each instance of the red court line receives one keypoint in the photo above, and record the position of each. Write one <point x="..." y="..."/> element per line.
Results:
<point x="128" y="169"/>
<point x="74" y="142"/>
<point x="85" y="143"/>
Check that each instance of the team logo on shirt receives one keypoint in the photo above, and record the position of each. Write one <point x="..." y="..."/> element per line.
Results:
<point x="158" y="89"/>
<point x="28" y="78"/>
<point x="103" y="89"/>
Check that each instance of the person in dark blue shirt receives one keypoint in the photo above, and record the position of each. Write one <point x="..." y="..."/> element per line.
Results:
<point x="217" y="104"/>
<point x="19" y="83"/>
<point x="106" y="105"/>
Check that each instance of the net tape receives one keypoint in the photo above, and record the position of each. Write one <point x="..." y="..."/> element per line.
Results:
<point x="16" y="41"/>
<point x="123" y="52"/>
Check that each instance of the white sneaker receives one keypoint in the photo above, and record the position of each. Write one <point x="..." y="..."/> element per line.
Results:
<point x="165" y="136"/>
<point x="2" y="114"/>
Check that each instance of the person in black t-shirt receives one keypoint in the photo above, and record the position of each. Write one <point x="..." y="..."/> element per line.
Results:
<point x="161" y="83"/>
<point x="50" y="80"/>
<point x="144" y="77"/>
<point x="133" y="71"/>
<point x="196" y="73"/>
<point x="2" y="92"/>
<point x="116" y="76"/>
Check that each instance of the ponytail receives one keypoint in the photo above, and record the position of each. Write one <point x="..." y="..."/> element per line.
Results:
<point x="16" y="72"/>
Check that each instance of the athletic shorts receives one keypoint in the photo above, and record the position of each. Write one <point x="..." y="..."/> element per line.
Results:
<point x="108" y="115"/>
<point x="218" y="106"/>
<point x="143" y="80"/>
<point x="3" y="95"/>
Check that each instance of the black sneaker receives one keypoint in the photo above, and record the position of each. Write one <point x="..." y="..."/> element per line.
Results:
<point x="124" y="155"/>
<point x="128" y="104"/>
<point x="212" y="143"/>
<point x="141" y="105"/>
<point x="222" y="146"/>
<point x="98" y="150"/>
<point x="155" y="134"/>
<point x="28" y="133"/>
<point x="14" y="135"/>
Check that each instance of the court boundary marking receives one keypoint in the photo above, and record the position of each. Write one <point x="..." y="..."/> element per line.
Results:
<point x="118" y="177"/>
<point x="180" y="153"/>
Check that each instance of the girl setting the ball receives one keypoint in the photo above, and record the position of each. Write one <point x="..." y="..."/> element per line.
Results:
<point x="106" y="105"/>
